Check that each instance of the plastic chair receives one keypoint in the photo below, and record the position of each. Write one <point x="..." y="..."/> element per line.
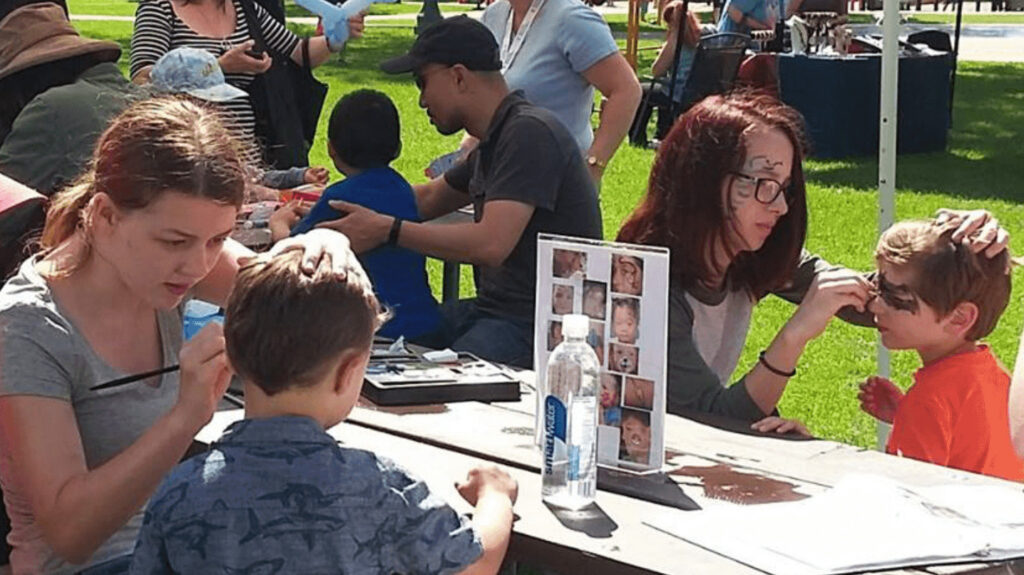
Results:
<point x="934" y="39"/>
<point x="714" y="69"/>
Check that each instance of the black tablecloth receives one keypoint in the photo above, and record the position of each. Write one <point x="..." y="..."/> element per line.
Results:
<point x="839" y="98"/>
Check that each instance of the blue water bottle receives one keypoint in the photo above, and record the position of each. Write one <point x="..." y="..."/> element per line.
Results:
<point x="198" y="313"/>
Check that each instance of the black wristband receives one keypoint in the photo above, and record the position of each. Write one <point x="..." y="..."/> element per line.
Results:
<point x="774" y="369"/>
<point x="396" y="228"/>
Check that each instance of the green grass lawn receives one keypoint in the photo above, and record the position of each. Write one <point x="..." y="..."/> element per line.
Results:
<point x="983" y="167"/>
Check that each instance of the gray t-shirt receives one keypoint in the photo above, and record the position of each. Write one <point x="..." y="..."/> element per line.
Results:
<point x="566" y="38"/>
<point x="42" y="353"/>
<point x="703" y="350"/>
<point x="526" y="156"/>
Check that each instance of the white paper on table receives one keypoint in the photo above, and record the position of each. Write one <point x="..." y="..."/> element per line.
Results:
<point x="221" y="420"/>
<point x="865" y="522"/>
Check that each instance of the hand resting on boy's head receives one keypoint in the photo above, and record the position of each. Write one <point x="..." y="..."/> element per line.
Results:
<point x="317" y="244"/>
<point x="979" y="228"/>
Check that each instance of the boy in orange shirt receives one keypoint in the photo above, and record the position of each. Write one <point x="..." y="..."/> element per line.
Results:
<point x="937" y="297"/>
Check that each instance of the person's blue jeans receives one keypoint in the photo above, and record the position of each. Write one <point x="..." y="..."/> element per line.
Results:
<point x="118" y="566"/>
<point x="464" y="327"/>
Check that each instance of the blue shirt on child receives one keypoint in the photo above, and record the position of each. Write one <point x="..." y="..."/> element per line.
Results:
<point x="399" y="275"/>
<point x="279" y="495"/>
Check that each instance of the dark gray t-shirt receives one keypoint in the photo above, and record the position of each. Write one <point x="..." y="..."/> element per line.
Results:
<point x="42" y="353"/>
<point x="527" y="156"/>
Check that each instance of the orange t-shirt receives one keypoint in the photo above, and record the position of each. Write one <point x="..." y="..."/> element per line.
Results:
<point x="956" y="414"/>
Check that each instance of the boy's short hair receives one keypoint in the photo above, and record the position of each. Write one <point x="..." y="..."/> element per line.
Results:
<point x="945" y="273"/>
<point x="364" y="130"/>
<point x="284" y="327"/>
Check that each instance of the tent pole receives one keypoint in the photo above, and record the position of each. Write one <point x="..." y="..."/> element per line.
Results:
<point x="956" y="56"/>
<point x="887" y="155"/>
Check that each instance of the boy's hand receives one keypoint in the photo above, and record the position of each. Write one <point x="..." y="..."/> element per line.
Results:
<point x="284" y="219"/>
<point x="487" y="479"/>
<point x="781" y="425"/>
<point x="879" y="398"/>
<point x="317" y="175"/>
<point x="205" y="374"/>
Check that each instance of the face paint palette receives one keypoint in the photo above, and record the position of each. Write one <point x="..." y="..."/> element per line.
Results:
<point x="409" y="379"/>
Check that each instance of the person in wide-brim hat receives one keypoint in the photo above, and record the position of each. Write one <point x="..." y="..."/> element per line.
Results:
<point x="58" y="91"/>
<point x="40" y="33"/>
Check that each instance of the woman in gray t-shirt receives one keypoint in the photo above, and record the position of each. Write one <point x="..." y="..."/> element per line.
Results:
<point x="727" y="196"/>
<point x="144" y="229"/>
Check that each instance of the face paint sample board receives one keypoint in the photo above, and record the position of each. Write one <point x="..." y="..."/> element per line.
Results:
<point x="623" y="289"/>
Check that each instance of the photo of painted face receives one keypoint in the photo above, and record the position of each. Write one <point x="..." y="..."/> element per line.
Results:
<point x="561" y="299"/>
<point x="627" y="274"/>
<point x="595" y="337"/>
<point x="639" y="393"/>
<point x="623" y="358"/>
<point x="635" y="436"/>
<point x="611" y="385"/>
<point x="567" y="263"/>
<point x="554" y="334"/>
<point x="595" y="295"/>
<point x="625" y="319"/>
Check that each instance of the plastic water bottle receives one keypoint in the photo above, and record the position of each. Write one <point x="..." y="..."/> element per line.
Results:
<point x="570" y="419"/>
<point x="198" y="313"/>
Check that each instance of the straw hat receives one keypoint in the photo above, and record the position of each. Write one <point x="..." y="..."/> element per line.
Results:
<point x="40" y="33"/>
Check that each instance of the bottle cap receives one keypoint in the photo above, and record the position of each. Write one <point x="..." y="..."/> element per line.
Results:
<point x="575" y="325"/>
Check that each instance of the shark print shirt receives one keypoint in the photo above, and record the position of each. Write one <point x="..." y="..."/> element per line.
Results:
<point x="279" y="495"/>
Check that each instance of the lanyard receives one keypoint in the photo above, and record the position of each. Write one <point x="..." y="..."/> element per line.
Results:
<point x="512" y="43"/>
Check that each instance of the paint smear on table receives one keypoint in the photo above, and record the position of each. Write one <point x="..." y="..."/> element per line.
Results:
<point x="725" y="483"/>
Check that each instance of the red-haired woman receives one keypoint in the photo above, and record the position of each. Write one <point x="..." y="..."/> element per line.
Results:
<point x="143" y="230"/>
<point x="727" y="195"/>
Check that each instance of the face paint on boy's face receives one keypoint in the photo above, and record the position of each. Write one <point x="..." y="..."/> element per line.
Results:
<point x="895" y="296"/>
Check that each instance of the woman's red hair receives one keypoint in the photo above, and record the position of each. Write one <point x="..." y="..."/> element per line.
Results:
<point x="684" y="209"/>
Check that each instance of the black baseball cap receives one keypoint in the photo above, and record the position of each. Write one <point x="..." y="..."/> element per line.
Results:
<point x="457" y="40"/>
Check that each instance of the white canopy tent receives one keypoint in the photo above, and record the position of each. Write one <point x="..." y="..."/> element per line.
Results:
<point x="887" y="154"/>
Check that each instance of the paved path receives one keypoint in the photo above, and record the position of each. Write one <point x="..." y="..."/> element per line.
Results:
<point x="978" y="42"/>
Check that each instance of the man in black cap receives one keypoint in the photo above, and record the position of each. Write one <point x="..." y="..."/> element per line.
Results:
<point x="526" y="177"/>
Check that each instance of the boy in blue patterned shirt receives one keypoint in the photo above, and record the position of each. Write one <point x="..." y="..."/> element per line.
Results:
<point x="276" y="493"/>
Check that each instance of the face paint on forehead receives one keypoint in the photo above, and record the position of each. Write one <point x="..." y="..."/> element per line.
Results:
<point x="763" y="163"/>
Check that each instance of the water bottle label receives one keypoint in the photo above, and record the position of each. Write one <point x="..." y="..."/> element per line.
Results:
<point x="573" y="473"/>
<point x="554" y="432"/>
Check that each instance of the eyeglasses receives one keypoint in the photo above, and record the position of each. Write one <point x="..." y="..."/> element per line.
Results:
<point x="421" y="78"/>
<point x="766" y="190"/>
<point x="897" y="297"/>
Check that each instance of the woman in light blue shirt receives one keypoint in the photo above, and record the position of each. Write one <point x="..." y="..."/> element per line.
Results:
<point x="557" y="52"/>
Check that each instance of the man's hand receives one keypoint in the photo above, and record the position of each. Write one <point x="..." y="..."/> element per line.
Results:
<point x="365" y="228"/>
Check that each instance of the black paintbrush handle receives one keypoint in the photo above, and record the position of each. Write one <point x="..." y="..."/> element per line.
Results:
<point x="133" y="378"/>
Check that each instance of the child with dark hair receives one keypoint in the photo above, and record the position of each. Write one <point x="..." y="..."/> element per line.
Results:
<point x="363" y="139"/>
